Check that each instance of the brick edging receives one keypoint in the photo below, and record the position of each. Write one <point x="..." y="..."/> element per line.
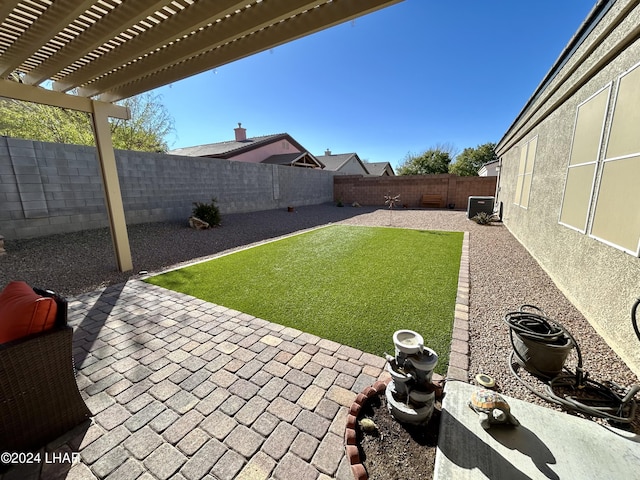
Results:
<point x="350" y="437"/>
<point x="459" y="355"/>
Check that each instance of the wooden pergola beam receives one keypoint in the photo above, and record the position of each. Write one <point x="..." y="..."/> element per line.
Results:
<point x="100" y="113"/>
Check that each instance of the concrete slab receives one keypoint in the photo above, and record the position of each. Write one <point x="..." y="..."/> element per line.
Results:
<point x="547" y="444"/>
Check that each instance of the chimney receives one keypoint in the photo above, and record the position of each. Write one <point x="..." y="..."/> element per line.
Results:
<point x="327" y="152"/>
<point x="241" y="133"/>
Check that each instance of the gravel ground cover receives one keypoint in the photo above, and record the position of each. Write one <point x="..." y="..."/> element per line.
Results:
<point x="503" y="274"/>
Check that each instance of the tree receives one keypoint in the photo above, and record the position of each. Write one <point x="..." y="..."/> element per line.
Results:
<point x="147" y="129"/>
<point x="44" y="123"/>
<point x="431" y="161"/>
<point x="470" y="160"/>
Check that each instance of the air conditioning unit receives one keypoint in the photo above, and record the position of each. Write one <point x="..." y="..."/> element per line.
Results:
<point x="480" y="204"/>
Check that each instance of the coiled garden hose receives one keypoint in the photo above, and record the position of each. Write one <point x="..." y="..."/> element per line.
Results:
<point x="603" y="400"/>
<point x="536" y="326"/>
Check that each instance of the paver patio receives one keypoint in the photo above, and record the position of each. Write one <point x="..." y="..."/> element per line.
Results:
<point x="182" y="388"/>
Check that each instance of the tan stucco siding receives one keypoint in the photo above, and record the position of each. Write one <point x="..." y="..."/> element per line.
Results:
<point x="600" y="279"/>
<point x="258" y="154"/>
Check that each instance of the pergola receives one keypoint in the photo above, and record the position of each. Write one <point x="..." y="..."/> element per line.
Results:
<point x="87" y="54"/>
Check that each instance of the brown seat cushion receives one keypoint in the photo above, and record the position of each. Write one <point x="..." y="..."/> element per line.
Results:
<point x="24" y="312"/>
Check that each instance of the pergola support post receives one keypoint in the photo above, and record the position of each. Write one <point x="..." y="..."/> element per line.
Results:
<point x="113" y="195"/>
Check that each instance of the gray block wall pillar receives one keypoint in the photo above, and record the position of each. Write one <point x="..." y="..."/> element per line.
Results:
<point x="23" y="159"/>
<point x="276" y="182"/>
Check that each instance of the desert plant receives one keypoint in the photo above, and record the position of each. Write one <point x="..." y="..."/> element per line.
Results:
<point x="484" y="218"/>
<point x="208" y="212"/>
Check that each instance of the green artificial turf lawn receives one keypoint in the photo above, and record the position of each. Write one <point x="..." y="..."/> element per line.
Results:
<point x="353" y="285"/>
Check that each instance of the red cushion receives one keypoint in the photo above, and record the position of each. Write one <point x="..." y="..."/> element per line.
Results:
<point x="23" y="312"/>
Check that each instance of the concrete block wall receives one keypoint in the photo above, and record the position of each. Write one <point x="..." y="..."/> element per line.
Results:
<point x="48" y="188"/>
<point x="453" y="189"/>
<point x="461" y="188"/>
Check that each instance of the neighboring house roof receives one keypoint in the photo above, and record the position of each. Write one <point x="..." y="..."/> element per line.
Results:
<point x="379" y="169"/>
<point x="336" y="162"/>
<point x="298" y="159"/>
<point x="232" y="148"/>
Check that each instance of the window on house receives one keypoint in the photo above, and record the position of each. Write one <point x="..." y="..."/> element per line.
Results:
<point x="525" y="172"/>
<point x="583" y="160"/>
<point x="616" y="219"/>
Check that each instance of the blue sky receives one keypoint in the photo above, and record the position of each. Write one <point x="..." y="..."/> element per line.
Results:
<point x="403" y="79"/>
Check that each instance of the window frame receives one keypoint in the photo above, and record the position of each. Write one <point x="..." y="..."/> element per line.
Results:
<point x="602" y="166"/>
<point x="523" y="172"/>
<point x="596" y="162"/>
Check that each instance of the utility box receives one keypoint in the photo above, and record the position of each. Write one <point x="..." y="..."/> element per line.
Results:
<point x="480" y="204"/>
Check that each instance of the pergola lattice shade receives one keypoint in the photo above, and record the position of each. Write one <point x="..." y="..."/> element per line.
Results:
<point x="115" y="49"/>
<point x="89" y="53"/>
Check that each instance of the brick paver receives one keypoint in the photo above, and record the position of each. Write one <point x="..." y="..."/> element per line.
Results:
<point x="164" y="461"/>
<point x="181" y="388"/>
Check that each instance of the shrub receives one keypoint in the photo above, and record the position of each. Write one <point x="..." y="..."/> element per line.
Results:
<point x="484" y="218"/>
<point x="208" y="212"/>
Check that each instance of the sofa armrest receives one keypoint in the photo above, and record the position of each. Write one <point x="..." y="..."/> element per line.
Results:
<point x="61" y="302"/>
<point x="39" y="396"/>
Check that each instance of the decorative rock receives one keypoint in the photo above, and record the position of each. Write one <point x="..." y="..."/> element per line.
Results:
<point x="195" y="222"/>
<point x="2" y="250"/>
<point x="368" y="425"/>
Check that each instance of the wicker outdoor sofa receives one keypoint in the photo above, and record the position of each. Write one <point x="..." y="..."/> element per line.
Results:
<point x="39" y="396"/>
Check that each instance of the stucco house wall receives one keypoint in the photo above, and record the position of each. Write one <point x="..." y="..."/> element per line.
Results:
<point x="260" y="153"/>
<point x="602" y="281"/>
<point x="352" y="167"/>
<point x="489" y="170"/>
